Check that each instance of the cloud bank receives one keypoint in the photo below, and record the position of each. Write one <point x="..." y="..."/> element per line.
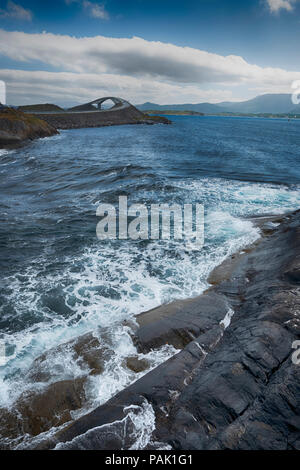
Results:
<point x="69" y="88"/>
<point x="132" y="67"/>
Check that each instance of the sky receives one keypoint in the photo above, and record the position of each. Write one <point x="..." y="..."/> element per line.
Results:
<point x="168" y="52"/>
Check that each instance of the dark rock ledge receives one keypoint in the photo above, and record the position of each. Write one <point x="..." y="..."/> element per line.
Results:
<point x="228" y="388"/>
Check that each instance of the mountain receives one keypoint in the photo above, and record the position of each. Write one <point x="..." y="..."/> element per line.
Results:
<point x="207" y="108"/>
<point x="269" y="103"/>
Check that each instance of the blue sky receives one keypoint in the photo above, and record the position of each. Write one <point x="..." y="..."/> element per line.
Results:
<point x="262" y="35"/>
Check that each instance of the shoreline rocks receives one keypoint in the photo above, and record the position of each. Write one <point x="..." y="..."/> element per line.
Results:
<point x="17" y="127"/>
<point x="233" y="385"/>
<point x="116" y="117"/>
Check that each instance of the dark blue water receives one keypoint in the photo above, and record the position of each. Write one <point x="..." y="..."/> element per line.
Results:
<point x="59" y="281"/>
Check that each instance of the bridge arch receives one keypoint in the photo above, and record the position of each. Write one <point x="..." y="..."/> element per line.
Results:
<point x="118" y="102"/>
<point x="96" y="105"/>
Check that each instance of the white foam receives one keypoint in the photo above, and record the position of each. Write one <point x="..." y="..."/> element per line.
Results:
<point x="227" y="319"/>
<point x="243" y="199"/>
<point x="4" y="152"/>
<point x="117" y="376"/>
<point x="134" y="430"/>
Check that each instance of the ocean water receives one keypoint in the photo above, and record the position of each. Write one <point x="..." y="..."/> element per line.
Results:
<point x="58" y="281"/>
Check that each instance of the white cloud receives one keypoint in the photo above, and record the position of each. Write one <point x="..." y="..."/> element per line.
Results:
<point x="139" y="70"/>
<point x="68" y="88"/>
<point x="277" y="5"/>
<point x="15" y="11"/>
<point x="96" y="10"/>
<point x="137" y="57"/>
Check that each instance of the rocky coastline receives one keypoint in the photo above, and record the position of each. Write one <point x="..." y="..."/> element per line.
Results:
<point x="232" y="385"/>
<point x="17" y="127"/>
<point x="116" y="117"/>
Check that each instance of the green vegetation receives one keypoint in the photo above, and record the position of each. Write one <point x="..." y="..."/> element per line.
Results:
<point x="16" y="127"/>
<point x="173" y="112"/>
<point x="41" y="108"/>
<point x="157" y="119"/>
<point x="12" y="115"/>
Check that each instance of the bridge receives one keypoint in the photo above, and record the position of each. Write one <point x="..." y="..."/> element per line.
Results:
<point x="119" y="103"/>
<point x="93" y="115"/>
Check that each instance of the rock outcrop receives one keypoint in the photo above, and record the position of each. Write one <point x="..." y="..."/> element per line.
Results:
<point x="17" y="127"/>
<point x="51" y="397"/>
<point x="114" y="117"/>
<point x="234" y="384"/>
<point x="41" y="108"/>
<point x="38" y="411"/>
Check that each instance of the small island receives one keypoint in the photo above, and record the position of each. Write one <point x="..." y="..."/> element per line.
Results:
<point x="174" y="112"/>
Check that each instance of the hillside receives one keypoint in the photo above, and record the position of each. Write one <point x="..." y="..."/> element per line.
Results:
<point x="206" y="108"/>
<point x="17" y="127"/>
<point x="263" y="104"/>
<point x="275" y="104"/>
<point x="40" y="108"/>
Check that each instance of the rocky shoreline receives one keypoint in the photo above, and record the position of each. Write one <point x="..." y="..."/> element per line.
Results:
<point x="233" y="384"/>
<point x="17" y="127"/>
<point x="117" y="117"/>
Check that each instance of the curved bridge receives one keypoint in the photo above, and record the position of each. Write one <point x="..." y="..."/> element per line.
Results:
<point x="119" y="103"/>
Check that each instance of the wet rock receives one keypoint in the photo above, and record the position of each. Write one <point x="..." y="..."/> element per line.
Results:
<point x="90" y="351"/>
<point x="47" y="405"/>
<point x="52" y="407"/>
<point x="38" y="411"/>
<point x="136" y="365"/>
<point x="86" y="350"/>
<point x="180" y="322"/>
<point x="11" y="426"/>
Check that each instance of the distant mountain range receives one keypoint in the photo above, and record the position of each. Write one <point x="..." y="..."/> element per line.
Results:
<point x="263" y="104"/>
<point x="206" y="108"/>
